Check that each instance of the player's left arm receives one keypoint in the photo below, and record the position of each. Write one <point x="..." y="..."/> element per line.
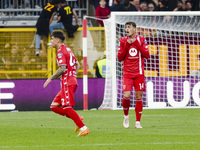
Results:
<point x="142" y="47"/>
<point x="59" y="72"/>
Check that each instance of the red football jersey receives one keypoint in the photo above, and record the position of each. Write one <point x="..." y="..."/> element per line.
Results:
<point x="66" y="57"/>
<point x="133" y="56"/>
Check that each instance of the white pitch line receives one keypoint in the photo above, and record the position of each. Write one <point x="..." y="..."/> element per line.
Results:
<point x="115" y="116"/>
<point x="99" y="116"/>
<point x="101" y="144"/>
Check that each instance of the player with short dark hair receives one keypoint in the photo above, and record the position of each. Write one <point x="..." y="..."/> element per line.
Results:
<point x="68" y="69"/>
<point x="132" y="50"/>
<point x="44" y="21"/>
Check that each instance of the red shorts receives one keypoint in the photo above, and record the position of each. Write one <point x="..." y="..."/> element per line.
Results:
<point x="66" y="96"/>
<point x="138" y="83"/>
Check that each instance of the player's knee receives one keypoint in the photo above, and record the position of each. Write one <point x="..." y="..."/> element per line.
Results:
<point x="127" y="94"/>
<point x="138" y="96"/>
<point x="54" y="104"/>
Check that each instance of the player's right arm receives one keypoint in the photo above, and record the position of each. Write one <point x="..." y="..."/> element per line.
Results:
<point x="122" y="49"/>
<point x="59" y="72"/>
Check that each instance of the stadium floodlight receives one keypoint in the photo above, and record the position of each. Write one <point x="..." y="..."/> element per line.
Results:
<point x="173" y="69"/>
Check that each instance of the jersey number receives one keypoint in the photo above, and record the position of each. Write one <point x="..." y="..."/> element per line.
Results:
<point x="141" y="85"/>
<point x="49" y="7"/>
<point x="68" y="10"/>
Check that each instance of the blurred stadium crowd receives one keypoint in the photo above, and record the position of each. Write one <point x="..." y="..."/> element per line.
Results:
<point x="17" y="50"/>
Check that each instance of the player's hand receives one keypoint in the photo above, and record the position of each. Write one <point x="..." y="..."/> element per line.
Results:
<point x="47" y="82"/>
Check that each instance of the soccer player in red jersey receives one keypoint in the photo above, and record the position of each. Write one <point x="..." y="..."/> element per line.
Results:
<point x="132" y="50"/>
<point x="68" y="68"/>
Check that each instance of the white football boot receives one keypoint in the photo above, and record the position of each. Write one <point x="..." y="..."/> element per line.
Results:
<point x="126" y="122"/>
<point x="138" y="125"/>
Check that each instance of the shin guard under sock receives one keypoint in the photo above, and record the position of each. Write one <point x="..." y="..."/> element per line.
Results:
<point x="126" y="105"/>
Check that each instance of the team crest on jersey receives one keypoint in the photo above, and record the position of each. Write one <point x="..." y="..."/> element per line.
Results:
<point x="133" y="52"/>
<point x="60" y="54"/>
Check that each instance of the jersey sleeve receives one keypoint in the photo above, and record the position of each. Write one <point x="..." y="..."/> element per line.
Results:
<point x="61" y="58"/>
<point x="122" y="49"/>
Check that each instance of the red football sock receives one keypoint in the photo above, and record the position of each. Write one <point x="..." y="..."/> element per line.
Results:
<point x="126" y="105"/>
<point x="74" y="116"/>
<point x="59" y="110"/>
<point x="138" y="109"/>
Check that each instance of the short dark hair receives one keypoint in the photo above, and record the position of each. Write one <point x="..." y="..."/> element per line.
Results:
<point x="131" y="23"/>
<point x="55" y="2"/>
<point x="58" y="34"/>
<point x="63" y="1"/>
<point x="126" y="3"/>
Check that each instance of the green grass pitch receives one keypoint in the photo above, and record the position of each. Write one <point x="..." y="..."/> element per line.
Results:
<point x="170" y="129"/>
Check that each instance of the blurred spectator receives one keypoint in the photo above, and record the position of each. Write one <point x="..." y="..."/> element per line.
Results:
<point x="19" y="3"/>
<point x="117" y="6"/>
<point x="25" y="65"/>
<point x="150" y="7"/>
<point x="101" y="67"/>
<point x="143" y="6"/>
<point x="38" y="4"/>
<point x="7" y="67"/>
<point x="7" y="49"/>
<point x="127" y="5"/>
<point x="102" y="12"/>
<point x="27" y="62"/>
<point x="43" y="56"/>
<point x="44" y="21"/>
<point x="154" y="2"/>
<point x="151" y="18"/>
<point x="95" y="3"/>
<point x="162" y="5"/>
<point x="180" y="5"/>
<point x="4" y="3"/>
<point x="188" y="6"/>
<point x="134" y="5"/>
<point x="170" y="4"/>
<point x="65" y="18"/>
<point x="15" y="57"/>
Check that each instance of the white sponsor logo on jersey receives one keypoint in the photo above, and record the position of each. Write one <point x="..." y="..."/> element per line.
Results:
<point x="133" y="52"/>
<point x="60" y="61"/>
